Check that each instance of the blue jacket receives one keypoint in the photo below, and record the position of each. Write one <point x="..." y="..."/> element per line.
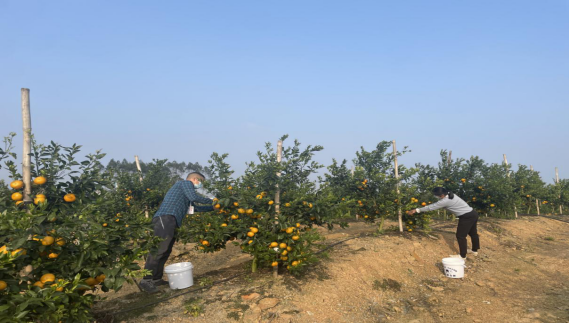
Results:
<point x="178" y="200"/>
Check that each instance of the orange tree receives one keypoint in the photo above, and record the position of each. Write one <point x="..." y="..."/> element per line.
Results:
<point x="372" y="190"/>
<point x="247" y="215"/>
<point x="69" y="242"/>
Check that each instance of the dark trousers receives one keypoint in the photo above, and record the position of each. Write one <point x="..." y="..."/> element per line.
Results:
<point x="164" y="227"/>
<point x="467" y="226"/>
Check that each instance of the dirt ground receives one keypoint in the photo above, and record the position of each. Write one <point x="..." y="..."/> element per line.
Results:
<point x="520" y="275"/>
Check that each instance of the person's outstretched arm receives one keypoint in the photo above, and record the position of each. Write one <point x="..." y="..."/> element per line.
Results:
<point x="192" y="195"/>
<point x="437" y="205"/>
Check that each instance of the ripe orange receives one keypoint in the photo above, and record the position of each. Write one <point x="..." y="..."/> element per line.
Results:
<point x="288" y="248"/>
<point x="282" y="245"/>
<point x="423" y="204"/>
<point x="3" y="285"/>
<point x="17" y="196"/>
<point x="254" y="229"/>
<point x="91" y="281"/>
<point x="69" y="197"/>
<point x="284" y="258"/>
<point x="295" y="238"/>
<point x="223" y="225"/>
<point x="48" y="240"/>
<point x="271" y="202"/>
<point x="241" y="211"/>
<point x="39" y="200"/>
<point x="249" y="211"/>
<point x="250" y="234"/>
<point x="463" y="180"/>
<point x="297" y="224"/>
<point x="310" y="205"/>
<point x="236" y="204"/>
<point x="104" y="224"/>
<point x="250" y="242"/>
<point x="40" y="180"/>
<point x="217" y="206"/>
<point x="17" y="184"/>
<point x="229" y="188"/>
<point x="53" y="255"/>
<point x="206" y="243"/>
<point x="492" y="205"/>
<point x="48" y="277"/>
<point x="100" y="278"/>
<point x="284" y="252"/>
<point x="275" y="264"/>
<point x="19" y="252"/>
<point x="117" y="220"/>
<point x="294" y="263"/>
<point x="289" y="230"/>
<point x="274" y="244"/>
<point x="234" y="217"/>
<point x="19" y="202"/>
<point x="39" y="284"/>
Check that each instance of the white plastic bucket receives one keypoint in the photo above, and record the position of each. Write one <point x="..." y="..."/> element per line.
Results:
<point x="454" y="267"/>
<point x="180" y="275"/>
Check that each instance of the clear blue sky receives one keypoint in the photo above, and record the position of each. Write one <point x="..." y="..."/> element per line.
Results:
<point x="182" y="79"/>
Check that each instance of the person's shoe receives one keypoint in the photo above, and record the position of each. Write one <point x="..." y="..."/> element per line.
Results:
<point x="148" y="286"/>
<point x="160" y="282"/>
<point x="457" y="256"/>
<point x="475" y="253"/>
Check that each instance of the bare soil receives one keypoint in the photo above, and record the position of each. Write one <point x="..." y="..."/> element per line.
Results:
<point x="520" y="275"/>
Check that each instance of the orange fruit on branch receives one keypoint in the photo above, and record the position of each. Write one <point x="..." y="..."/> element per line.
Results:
<point x="17" y="184"/>
<point x="40" y="180"/>
<point x="48" y="277"/>
<point x="69" y="197"/>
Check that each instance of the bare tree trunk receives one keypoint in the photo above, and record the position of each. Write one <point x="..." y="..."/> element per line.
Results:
<point x="397" y="178"/>
<point x="27" y="149"/>
<point x="140" y="178"/>
<point x="278" y="195"/>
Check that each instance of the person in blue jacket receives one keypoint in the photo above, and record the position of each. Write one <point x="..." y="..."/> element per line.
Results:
<point x="177" y="203"/>
<point x="467" y="218"/>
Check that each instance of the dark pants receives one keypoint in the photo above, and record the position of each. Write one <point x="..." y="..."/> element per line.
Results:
<point x="467" y="226"/>
<point x="164" y="227"/>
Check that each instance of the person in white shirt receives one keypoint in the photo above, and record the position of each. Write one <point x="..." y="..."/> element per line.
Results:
<point x="467" y="218"/>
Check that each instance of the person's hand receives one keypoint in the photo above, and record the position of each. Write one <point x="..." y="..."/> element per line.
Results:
<point x="411" y="212"/>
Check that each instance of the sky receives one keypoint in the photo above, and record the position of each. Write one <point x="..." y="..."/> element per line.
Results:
<point x="180" y="80"/>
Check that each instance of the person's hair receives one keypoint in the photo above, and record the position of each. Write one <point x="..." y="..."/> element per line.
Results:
<point x="438" y="191"/>
<point x="194" y="175"/>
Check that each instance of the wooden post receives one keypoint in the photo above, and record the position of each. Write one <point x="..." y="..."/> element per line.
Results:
<point x="140" y="178"/>
<point x="508" y="173"/>
<point x="531" y="167"/>
<point x="449" y="158"/>
<point x="278" y="193"/>
<point x="26" y="158"/>
<point x="278" y="196"/>
<point x="557" y="182"/>
<point x="397" y="178"/>
<point x="537" y="205"/>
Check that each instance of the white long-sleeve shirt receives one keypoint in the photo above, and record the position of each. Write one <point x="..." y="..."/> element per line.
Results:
<point x="457" y="206"/>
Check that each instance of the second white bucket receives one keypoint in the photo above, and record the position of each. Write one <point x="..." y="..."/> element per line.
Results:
<point x="454" y="267"/>
<point x="180" y="275"/>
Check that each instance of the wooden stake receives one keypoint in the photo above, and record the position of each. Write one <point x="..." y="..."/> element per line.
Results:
<point x="140" y="178"/>
<point x="531" y="167"/>
<point x="278" y="196"/>
<point x="397" y="178"/>
<point x="449" y="159"/>
<point x="508" y="173"/>
<point x="537" y="205"/>
<point x="27" y="149"/>
<point x="557" y="182"/>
